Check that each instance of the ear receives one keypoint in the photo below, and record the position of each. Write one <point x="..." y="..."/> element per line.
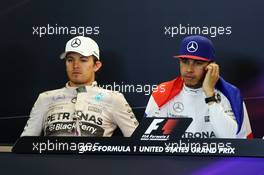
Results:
<point x="97" y="65"/>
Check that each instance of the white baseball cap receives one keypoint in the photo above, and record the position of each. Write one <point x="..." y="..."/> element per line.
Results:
<point x="82" y="45"/>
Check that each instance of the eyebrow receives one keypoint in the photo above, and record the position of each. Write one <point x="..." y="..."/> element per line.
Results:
<point x="200" y="61"/>
<point x="67" y="57"/>
<point x="84" y="57"/>
<point x="194" y="61"/>
<point x="81" y="57"/>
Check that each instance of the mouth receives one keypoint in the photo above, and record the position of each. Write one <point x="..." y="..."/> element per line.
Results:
<point x="188" y="77"/>
<point x="76" y="73"/>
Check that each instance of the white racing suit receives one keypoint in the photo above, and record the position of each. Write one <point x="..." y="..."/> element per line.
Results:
<point x="92" y="111"/>
<point x="209" y="121"/>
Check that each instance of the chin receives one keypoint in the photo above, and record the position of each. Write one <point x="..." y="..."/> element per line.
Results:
<point x="77" y="82"/>
<point x="193" y="85"/>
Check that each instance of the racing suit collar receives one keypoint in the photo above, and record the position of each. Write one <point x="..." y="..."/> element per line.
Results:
<point x="192" y="91"/>
<point x="94" y="84"/>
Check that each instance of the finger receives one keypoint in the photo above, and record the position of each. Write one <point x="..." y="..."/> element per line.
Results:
<point x="215" y="70"/>
<point x="209" y="71"/>
<point x="208" y="67"/>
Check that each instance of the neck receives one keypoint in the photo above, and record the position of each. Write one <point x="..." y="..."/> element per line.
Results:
<point x="194" y="87"/>
<point x="72" y="84"/>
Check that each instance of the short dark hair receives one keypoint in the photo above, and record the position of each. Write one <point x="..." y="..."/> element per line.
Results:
<point x="95" y="59"/>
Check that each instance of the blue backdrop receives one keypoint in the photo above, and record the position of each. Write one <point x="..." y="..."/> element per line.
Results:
<point x="137" y="40"/>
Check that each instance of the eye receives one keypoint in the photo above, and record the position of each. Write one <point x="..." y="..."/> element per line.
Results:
<point x="83" y="59"/>
<point x="184" y="61"/>
<point x="199" y="62"/>
<point x="69" y="59"/>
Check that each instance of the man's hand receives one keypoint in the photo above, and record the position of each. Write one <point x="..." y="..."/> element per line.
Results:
<point x="211" y="78"/>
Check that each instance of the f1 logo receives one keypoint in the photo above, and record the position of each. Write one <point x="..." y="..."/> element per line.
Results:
<point x="154" y="125"/>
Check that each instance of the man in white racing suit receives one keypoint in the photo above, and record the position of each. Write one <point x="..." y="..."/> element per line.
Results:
<point x="215" y="106"/>
<point x="81" y="108"/>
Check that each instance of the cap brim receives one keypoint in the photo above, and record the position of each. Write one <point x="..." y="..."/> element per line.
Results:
<point x="192" y="57"/>
<point x="63" y="55"/>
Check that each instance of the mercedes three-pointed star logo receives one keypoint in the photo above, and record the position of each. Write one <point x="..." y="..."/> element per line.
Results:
<point x="192" y="46"/>
<point x="178" y="107"/>
<point x="76" y="42"/>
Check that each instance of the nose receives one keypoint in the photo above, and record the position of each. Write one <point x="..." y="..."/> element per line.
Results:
<point x="76" y="64"/>
<point x="190" y="67"/>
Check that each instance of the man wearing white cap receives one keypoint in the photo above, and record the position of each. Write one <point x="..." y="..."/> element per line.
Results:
<point x="81" y="108"/>
<point x="216" y="106"/>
